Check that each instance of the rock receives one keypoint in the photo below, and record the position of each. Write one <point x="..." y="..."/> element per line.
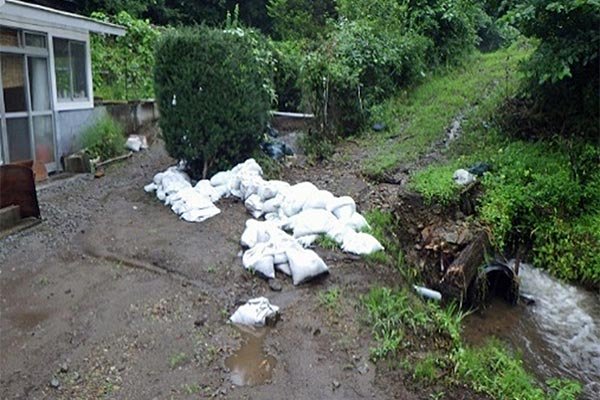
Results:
<point x="275" y="285"/>
<point x="54" y="383"/>
<point x="336" y="384"/>
<point x="200" y="322"/>
<point x="363" y="368"/>
<point x="64" y="368"/>
<point x="379" y="127"/>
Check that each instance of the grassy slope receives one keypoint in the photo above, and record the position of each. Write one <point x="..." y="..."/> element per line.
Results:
<point x="418" y="119"/>
<point x="415" y="121"/>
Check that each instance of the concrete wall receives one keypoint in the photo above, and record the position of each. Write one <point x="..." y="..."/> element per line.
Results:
<point x="72" y="124"/>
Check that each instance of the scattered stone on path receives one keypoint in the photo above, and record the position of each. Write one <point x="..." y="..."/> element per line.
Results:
<point x="336" y="384"/>
<point x="275" y="285"/>
<point x="64" y="367"/>
<point x="54" y="383"/>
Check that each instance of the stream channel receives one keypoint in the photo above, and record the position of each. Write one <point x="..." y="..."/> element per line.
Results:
<point x="558" y="336"/>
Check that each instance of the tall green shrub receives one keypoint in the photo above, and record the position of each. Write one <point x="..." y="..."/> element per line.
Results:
<point x="562" y="72"/>
<point x="214" y="90"/>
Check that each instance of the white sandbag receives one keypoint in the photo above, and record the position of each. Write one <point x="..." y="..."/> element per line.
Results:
<point x="249" y="184"/>
<point x="312" y="222"/>
<point x="296" y="196"/>
<point x="189" y="198"/>
<point x="339" y="231"/>
<point x="199" y="215"/>
<point x="250" y="234"/>
<point x="151" y="187"/>
<point x="221" y="178"/>
<point x="320" y="199"/>
<point x="260" y="232"/>
<point x="307" y="241"/>
<point x="360" y="243"/>
<point x="342" y="207"/>
<point x="205" y="188"/>
<point x="356" y="222"/>
<point x="255" y="312"/>
<point x="222" y="191"/>
<point x="250" y="165"/>
<point x="254" y="205"/>
<point x="305" y="265"/>
<point x="271" y="189"/>
<point x="135" y="143"/>
<point x="260" y="260"/>
<point x="272" y="205"/>
<point x="161" y="195"/>
<point x="280" y="258"/>
<point x="284" y="267"/>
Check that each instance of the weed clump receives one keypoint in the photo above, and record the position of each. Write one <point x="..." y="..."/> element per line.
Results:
<point x="104" y="139"/>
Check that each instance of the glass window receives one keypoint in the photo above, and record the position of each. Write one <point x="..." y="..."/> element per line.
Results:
<point x="19" y="141"/>
<point x="44" y="142"/>
<point x="9" y="37"/>
<point x="79" y="70"/>
<point x="38" y="84"/>
<point x="13" y="82"/>
<point x="70" y="65"/>
<point x="35" y="40"/>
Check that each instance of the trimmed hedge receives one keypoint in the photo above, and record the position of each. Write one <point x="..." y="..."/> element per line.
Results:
<point x="214" y="89"/>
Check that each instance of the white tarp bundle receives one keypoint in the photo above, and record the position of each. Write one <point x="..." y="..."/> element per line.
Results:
<point x="301" y="209"/>
<point x="254" y="312"/>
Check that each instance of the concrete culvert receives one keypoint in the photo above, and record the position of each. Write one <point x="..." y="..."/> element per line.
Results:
<point x="496" y="280"/>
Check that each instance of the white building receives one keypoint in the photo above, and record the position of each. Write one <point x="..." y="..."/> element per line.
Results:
<point x="46" y="95"/>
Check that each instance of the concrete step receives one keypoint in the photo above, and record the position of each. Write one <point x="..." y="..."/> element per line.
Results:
<point x="9" y="217"/>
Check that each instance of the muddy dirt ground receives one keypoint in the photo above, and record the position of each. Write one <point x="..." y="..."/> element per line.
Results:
<point x="113" y="296"/>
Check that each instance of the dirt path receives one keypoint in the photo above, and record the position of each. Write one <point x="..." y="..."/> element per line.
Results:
<point x="114" y="297"/>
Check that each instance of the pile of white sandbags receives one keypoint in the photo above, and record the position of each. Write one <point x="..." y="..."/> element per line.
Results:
<point x="191" y="203"/>
<point x="302" y="209"/>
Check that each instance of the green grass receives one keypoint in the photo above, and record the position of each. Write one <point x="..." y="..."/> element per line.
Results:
<point x="177" y="360"/>
<point x="403" y="324"/>
<point x="435" y="183"/>
<point x="330" y="298"/>
<point x="420" y="118"/>
<point x="397" y="315"/>
<point x="104" y="138"/>
<point x="326" y="242"/>
<point x="493" y="370"/>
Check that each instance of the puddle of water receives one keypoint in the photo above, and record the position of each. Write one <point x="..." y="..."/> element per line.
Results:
<point x="558" y="336"/>
<point x="250" y="365"/>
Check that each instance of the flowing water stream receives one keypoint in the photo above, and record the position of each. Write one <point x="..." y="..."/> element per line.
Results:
<point x="558" y="335"/>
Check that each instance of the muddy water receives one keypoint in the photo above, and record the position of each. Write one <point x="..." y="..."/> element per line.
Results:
<point x="250" y="365"/>
<point x="557" y="336"/>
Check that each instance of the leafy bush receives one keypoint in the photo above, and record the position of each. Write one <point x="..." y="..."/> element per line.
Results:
<point x="121" y="65"/>
<point x="300" y="19"/>
<point x="355" y="68"/>
<point x="562" y="72"/>
<point x="288" y="60"/>
<point x="569" y="249"/>
<point x="214" y="90"/>
<point x="104" y="139"/>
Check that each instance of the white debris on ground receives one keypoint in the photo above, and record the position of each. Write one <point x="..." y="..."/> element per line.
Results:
<point x="255" y="312"/>
<point x="136" y="143"/>
<point x="301" y="209"/>
<point x="463" y="177"/>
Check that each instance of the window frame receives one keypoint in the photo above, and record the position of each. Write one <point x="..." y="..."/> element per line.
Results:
<point x="73" y="103"/>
